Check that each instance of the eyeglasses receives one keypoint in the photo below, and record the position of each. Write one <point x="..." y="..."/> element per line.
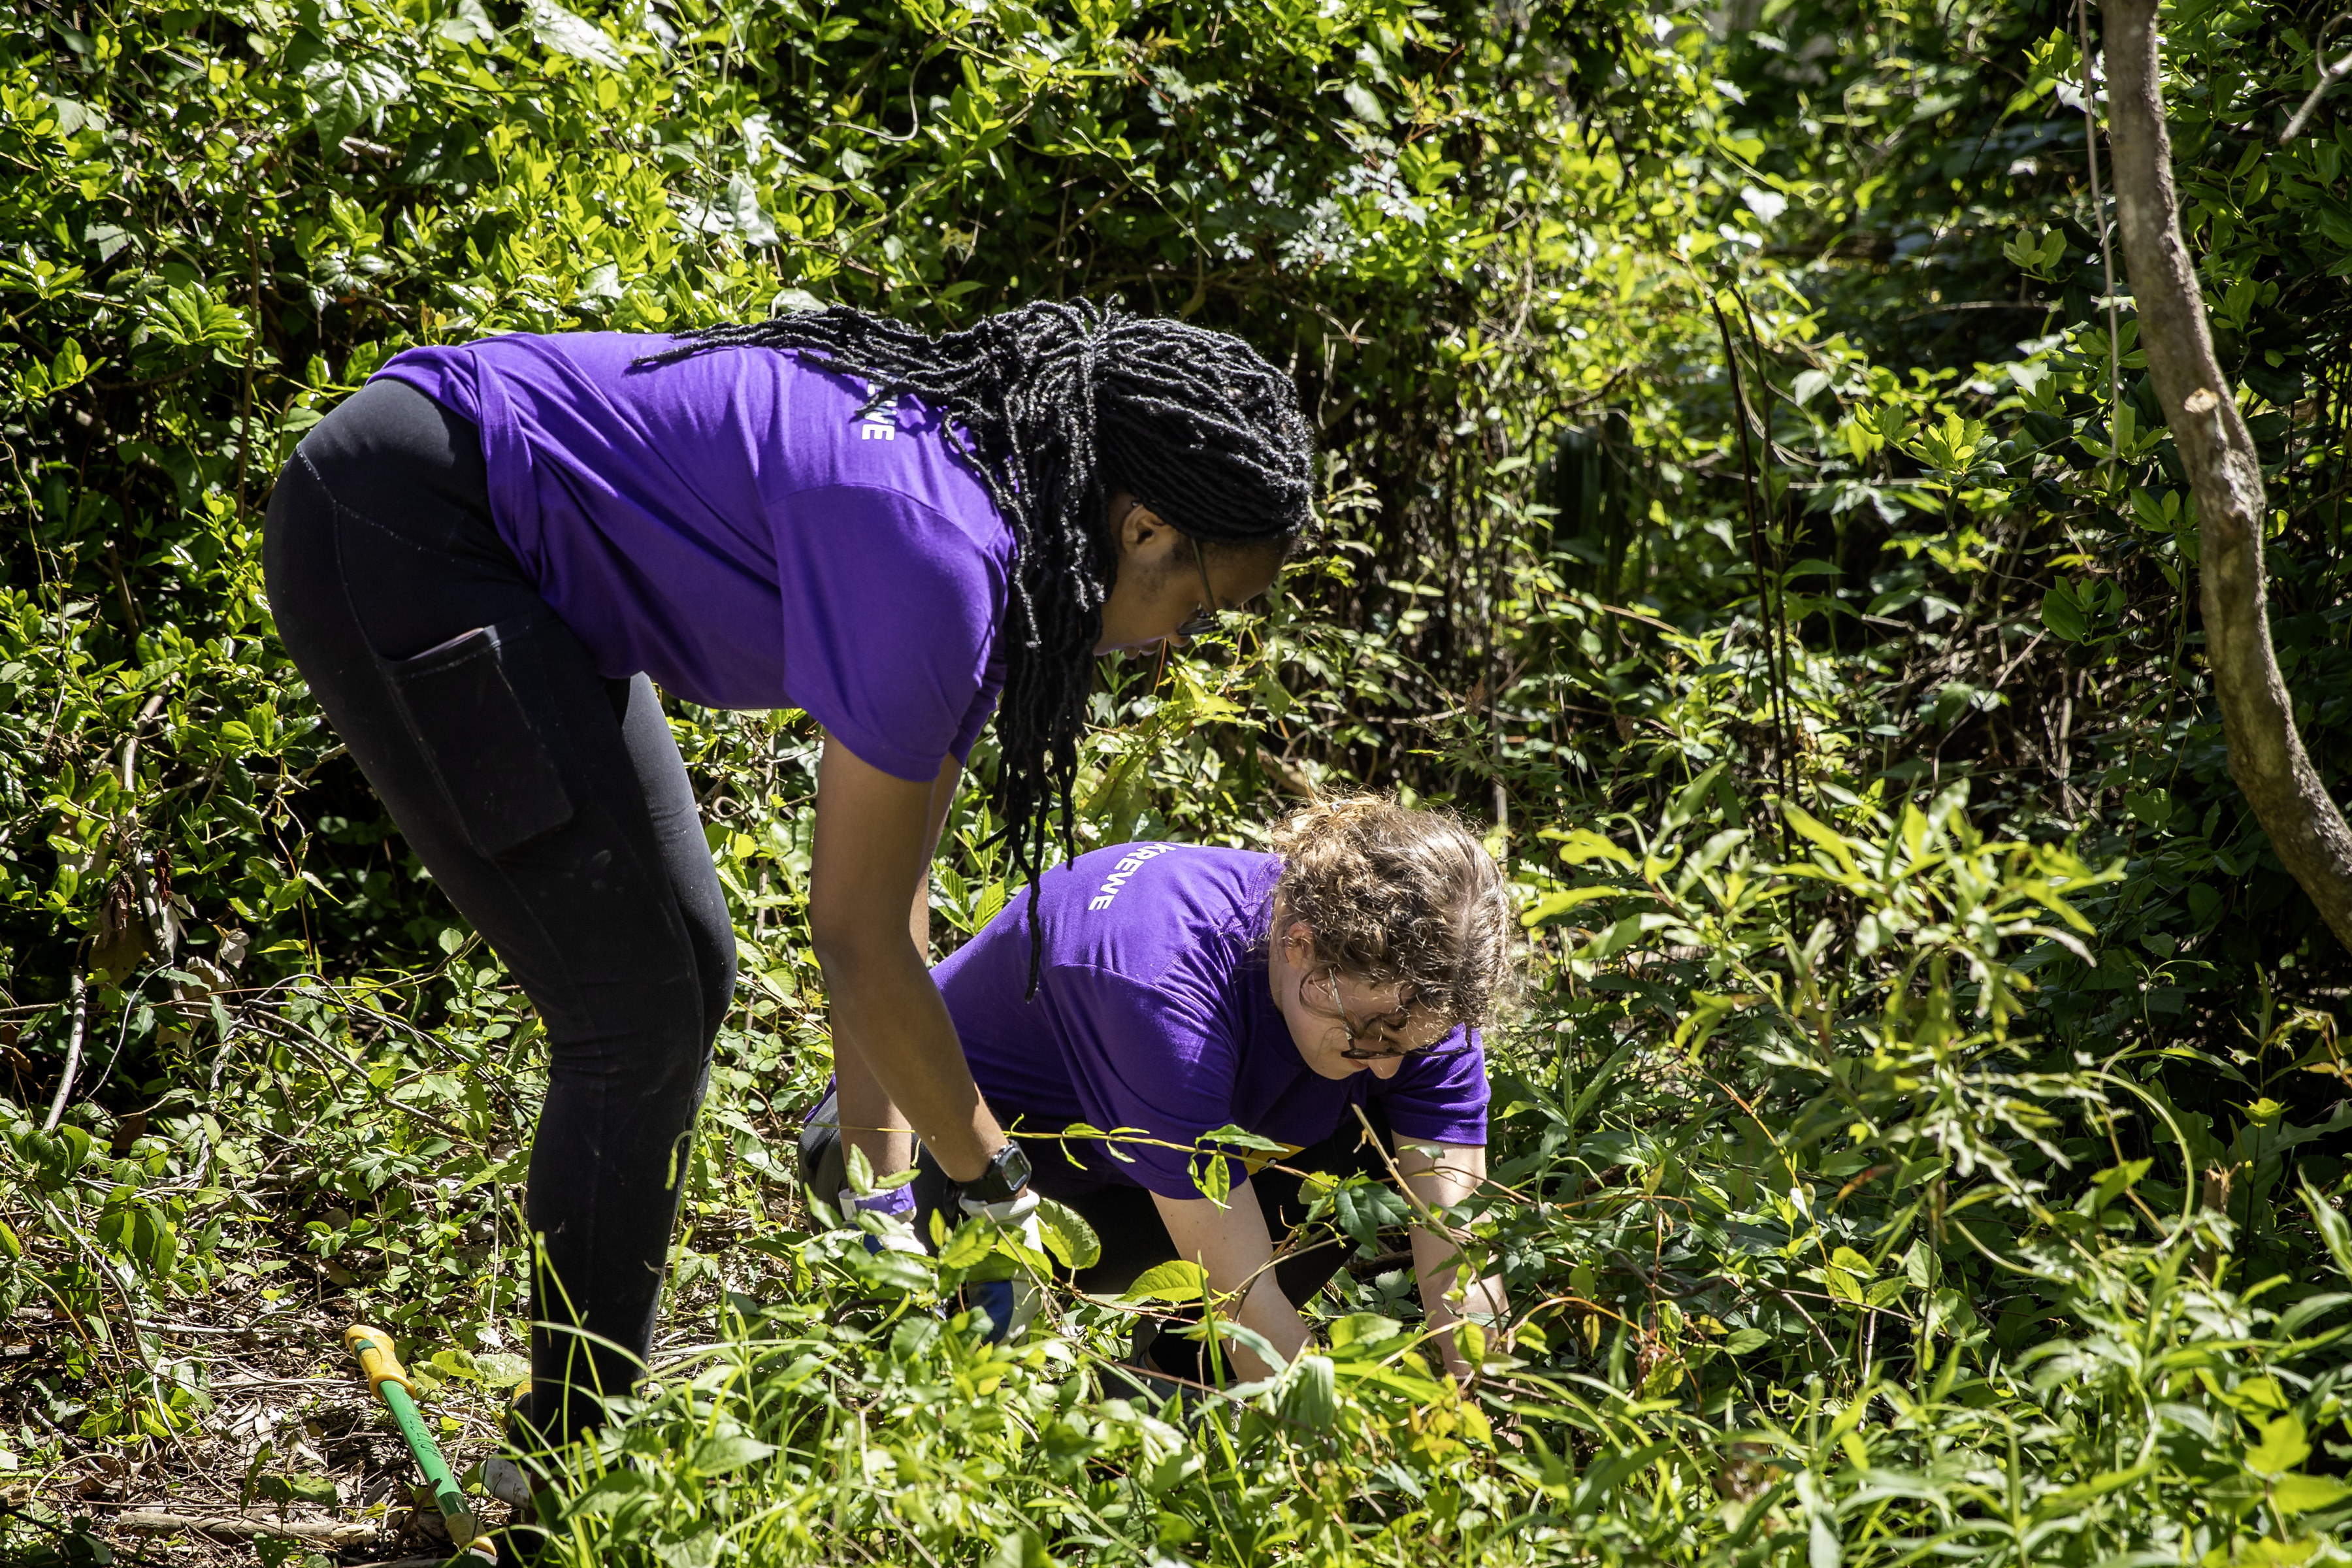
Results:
<point x="1203" y="624"/>
<point x="1353" y="1052"/>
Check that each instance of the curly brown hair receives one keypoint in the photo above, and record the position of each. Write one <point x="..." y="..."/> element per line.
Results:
<point x="1398" y="896"/>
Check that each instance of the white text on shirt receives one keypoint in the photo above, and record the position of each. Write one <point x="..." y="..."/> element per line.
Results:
<point x="1122" y="871"/>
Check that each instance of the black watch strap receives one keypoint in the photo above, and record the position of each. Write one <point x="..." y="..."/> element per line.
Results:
<point x="1006" y="1176"/>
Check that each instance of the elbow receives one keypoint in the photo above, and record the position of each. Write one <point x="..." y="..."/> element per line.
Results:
<point x="849" y="949"/>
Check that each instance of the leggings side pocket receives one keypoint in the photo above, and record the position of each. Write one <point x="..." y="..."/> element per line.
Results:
<point x="463" y="707"/>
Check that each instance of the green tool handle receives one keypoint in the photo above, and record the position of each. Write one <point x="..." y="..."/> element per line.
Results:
<point x="446" y="1495"/>
<point x="382" y="1367"/>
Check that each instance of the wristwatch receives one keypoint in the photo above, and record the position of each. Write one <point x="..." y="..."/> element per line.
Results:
<point x="1006" y="1175"/>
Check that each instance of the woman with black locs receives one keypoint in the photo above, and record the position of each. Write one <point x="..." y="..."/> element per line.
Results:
<point x="479" y="559"/>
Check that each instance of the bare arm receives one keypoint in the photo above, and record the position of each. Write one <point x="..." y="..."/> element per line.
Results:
<point x="1440" y="1175"/>
<point x="919" y="915"/>
<point x="1232" y="1245"/>
<point x="893" y="1041"/>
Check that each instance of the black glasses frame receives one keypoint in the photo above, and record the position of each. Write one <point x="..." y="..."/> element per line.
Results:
<point x="1352" y="1051"/>
<point x="1204" y="623"/>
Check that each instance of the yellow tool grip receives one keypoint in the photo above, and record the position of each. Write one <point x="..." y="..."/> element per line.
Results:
<point x="374" y="1347"/>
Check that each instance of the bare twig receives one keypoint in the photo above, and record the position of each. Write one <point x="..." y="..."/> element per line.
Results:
<point x="153" y="706"/>
<point x="2328" y="78"/>
<point x="75" y="1004"/>
<point x="1755" y="544"/>
<point x="246" y="1527"/>
<point x="2107" y="244"/>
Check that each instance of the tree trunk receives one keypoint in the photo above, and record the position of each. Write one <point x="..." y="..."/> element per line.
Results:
<point x="2266" y="756"/>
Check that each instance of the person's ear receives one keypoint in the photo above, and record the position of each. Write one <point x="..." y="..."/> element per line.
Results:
<point x="1298" y="944"/>
<point x="1142" y="534"/>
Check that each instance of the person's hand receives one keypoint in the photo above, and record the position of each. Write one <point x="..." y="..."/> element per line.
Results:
<point x="1020" y="1209"/>
<point x="1011" y="1303"/>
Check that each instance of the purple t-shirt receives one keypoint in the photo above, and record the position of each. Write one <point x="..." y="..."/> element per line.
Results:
<point x="732" y="526"/>
<point x="1153" y="1011"/>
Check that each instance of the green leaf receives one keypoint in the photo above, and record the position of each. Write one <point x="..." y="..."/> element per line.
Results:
<point x="719" y="1456"/>
<point x="1309" y="1393"/>
<point x="2300" y="1493"/>
<point x="1175" y="1282"/>
<point x="455" y="1363"/>
<point x="317" y="1491"/>
<point x="1214" y="1175"/>
<point x="1621" y="935"/>
<point x="2111" y="1184"/>
<point x="1067" y="1235"/>
<point x="466" y="23"/>
<point x="1746" y="1340"/>
<point x="1019" y="1547"/>
<point x="345" y="90"/>
<point x="192" y="318"/>
<point x="1235" y="1137"/>
<point x="857" y="1169"/>
<point x="2067" y="1499"/>
<point x="970" y="1242"/>
<point x="1688" y="801"/>
<point x="575" y="36"/>
<point x="1819" y="832"/>
<point x="2310" y="1307"/>
<point x="1559" y="903"/>
<point x="1581" y="844"/>
<point x="445" y="154"/>
<point x="699" y="1551"/>
<point x="1363" y="1328"/>
<point x="1822" y="1549"/>
<point x="2333" y="1230"/>
<point x="2283" y="1447"/>
<point x="2062" y="614"/>
<point x="736" y="211"/>
<point x="609" y="1492"/>
<point x="69" y="367"/>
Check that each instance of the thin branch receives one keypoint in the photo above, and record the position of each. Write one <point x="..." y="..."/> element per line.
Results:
<point x="77" y="1004"/>
<point x="2107" y="243"/>
<point x="2328" y="78"/>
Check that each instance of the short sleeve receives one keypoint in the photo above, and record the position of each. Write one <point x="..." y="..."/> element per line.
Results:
<point x="984" y="704"/>
<point x="1150" y="1057"/>
<point x="890" y="612"/>
<point x="1439" y="1094"/>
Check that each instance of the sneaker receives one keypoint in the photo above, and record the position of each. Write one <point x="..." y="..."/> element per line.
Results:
<point x="510" y="1477"/>
<point x="506" y="1480"/>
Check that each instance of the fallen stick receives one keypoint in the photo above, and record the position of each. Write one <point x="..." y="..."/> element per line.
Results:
<point x="246" y="1527"/>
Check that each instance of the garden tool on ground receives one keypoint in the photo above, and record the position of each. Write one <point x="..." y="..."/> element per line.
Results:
<point x="385" y="1374"/>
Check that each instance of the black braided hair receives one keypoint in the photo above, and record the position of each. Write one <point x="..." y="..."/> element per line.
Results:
<point x="1060" y="405"/>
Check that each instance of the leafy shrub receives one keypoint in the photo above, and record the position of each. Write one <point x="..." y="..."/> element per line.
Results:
<point x="1921" y="1135"/>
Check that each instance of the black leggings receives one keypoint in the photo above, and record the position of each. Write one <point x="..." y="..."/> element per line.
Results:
<point x="551" y="806"/>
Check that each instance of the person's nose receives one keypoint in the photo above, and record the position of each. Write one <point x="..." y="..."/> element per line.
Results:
<point x="1386" y="1066"/>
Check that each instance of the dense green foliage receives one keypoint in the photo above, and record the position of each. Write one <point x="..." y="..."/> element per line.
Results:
<point x="1919" y="1135"/>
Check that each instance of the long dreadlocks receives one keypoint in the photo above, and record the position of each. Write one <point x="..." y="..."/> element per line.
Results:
<point x="1061" y="406"/>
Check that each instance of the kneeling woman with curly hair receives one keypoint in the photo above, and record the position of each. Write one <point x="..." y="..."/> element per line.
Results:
<point x="1185" y="988"/>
